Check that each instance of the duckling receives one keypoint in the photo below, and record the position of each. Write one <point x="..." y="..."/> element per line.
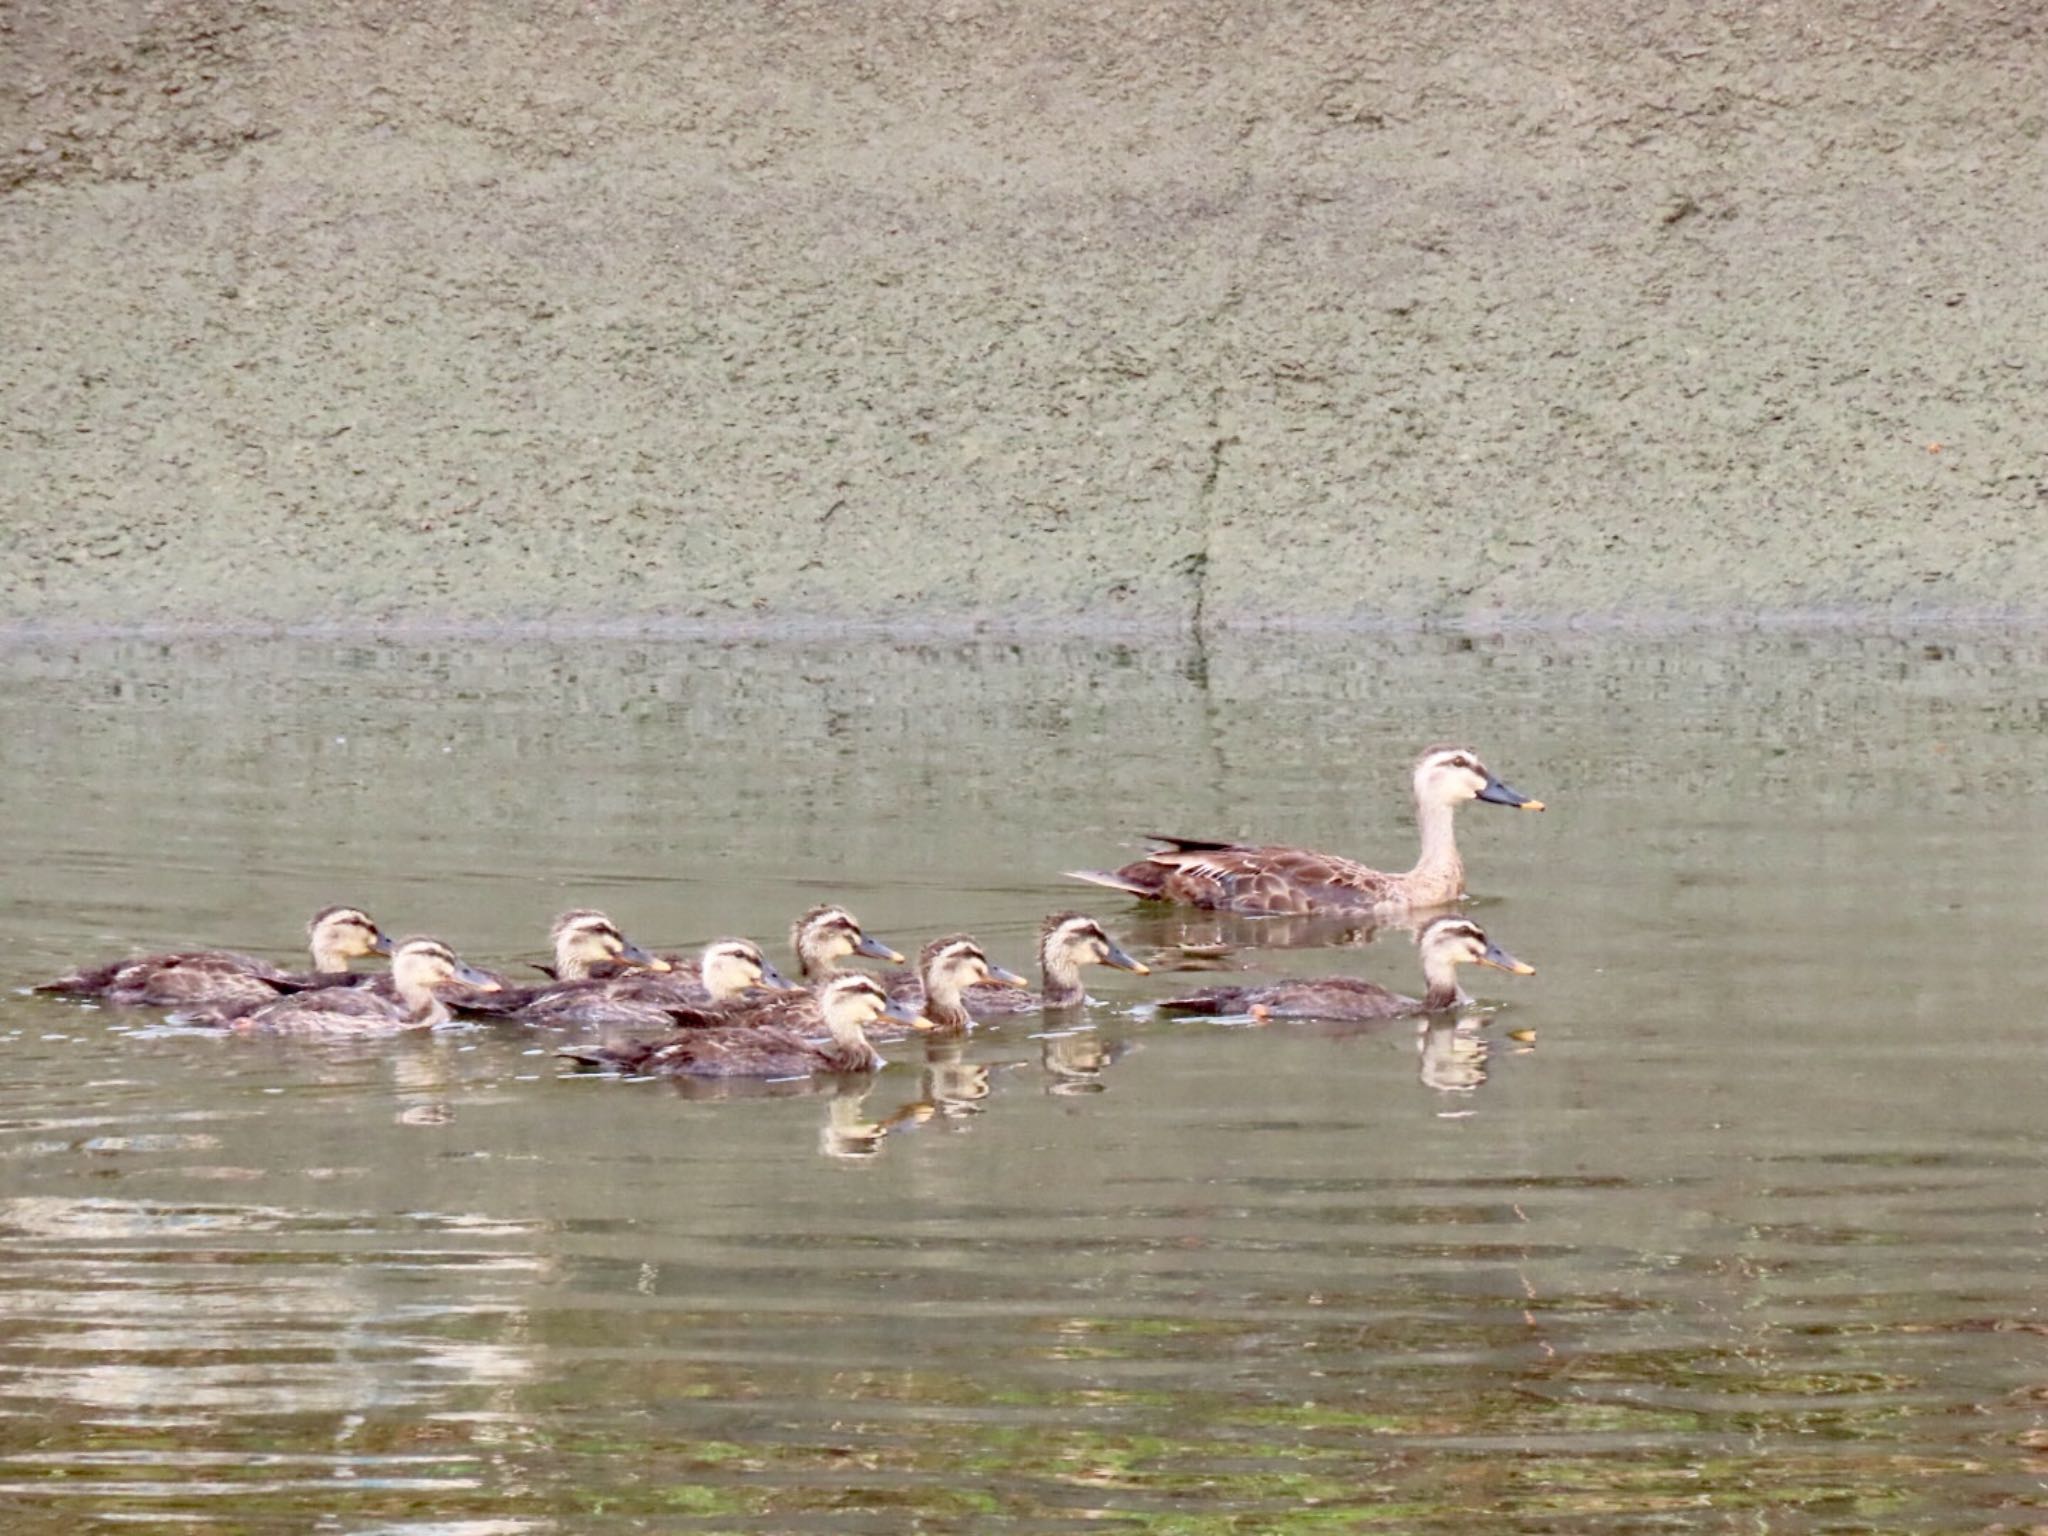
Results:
<point x="1446" y="943"/>
<point x="336" y="936"/>
<point x="589" y="951"/>
<point x="731" y="969"/>
<point x="825" y="935"/>
<point x="946" y="968"/>
<point x="420" y="970"/>
<point x="1240" y="878"/>
<point x="734" y="970"/>
<point x="821" y="938"/>
<point x="848" y="1004"/>
<point x="584" y="939"/>
<point x="1066" y="942"/>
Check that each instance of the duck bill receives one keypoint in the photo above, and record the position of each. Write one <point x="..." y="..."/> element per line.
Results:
<point x="482" y="981"/>
<point x="875" y="949"/>
<point x="903" y="1013"/>
<point x="633" y="954"/>
<point x="998" y="977"/>
<point x="1123" y="960"/>
<point x="1501" y="960"/>
<point x="775" y="981"/>
<point x="1497" y="793"/>
<point x="382" y="945"/>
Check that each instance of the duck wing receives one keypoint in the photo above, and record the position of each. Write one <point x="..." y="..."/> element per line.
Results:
<point x="794" y="1011"/>
<point x="741" y="1051"/>
<point x="570" y="1010"/>
<point x="1268" y="880"/>
<point x="376" y="984"/>
<point x="320" y="981"/>
<point x="335" y="1010"/>
<point x="630" y="1056"/>
<point x="667" y="987"/>
<point x="177" y="976"/>
<point x="193" y="980"/>
<point x="1258" y="880"/>
<point x="1327" y="997"/>
<point x="1003" y="1002"/>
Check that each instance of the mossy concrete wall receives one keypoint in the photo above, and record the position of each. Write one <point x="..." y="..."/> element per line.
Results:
<point x="445" y="310"/>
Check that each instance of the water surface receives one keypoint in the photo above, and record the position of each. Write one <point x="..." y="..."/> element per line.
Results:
<point x="1747" y="1237"/>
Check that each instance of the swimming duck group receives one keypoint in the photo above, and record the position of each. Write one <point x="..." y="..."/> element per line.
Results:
<point x="729" y="1012"/>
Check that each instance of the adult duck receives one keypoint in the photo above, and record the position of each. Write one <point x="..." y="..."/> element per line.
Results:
<point x="1241" y="877"/>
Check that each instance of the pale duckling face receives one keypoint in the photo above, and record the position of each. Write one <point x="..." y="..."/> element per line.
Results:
<point x="583" y="939"/>
<point x="852" y="1002"/>
<point x="1452" y="775"/>
<point x="950" y="964"/>
<point x="732" y="967"/>
<point x="338" y="935"/>
<point x="427" y="965"/>
<point x="824" y="936"/>
<point x="1070" y="940"/>
<point x="1450" y="941"/>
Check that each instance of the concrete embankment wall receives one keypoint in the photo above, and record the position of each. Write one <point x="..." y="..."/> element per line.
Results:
<point x="1035" y="312"/>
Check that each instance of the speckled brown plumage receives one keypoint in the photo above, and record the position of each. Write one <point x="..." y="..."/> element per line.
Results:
<point x="1282" y="880"/>
<point x="201" y="978"/>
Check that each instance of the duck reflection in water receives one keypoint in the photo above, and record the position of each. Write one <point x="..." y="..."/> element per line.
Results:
<point x="850" y="1135"/>
<point x="951" y="1085"/>
<point x="950" y="1088"/>
<point x="1074" y="1061"/>
<point x="1191" y="939"/>
<point x="1453" y="1053"/>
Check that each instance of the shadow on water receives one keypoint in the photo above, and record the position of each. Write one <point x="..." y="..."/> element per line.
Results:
<point x="1727" y="1219"/>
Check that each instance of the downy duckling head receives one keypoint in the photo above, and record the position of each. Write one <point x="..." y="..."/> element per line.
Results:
<point x="1069" y="940"/>
<point x="732" y="967"/>
<point x="947" y="966"/>
<point x="825" y="935"/>
<point x="426" y="965"/>
<point x="851" y="1002"/>
<point x="338" y="935"/>
<point x="1453" y="940"/>
<point x="1452" y="775"/>
<point x="583" y="938"/>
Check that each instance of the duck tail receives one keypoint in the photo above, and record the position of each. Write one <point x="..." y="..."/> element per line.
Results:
<point x="87" y="981"/>
<point x="222" y="1016"/>
<point x="469" y="1003"/>
<point x="1144" y="878"/>
<point x="1222" y="1000"/>
<point x="1171" y="844"/>
<point x="602" y="1057"/>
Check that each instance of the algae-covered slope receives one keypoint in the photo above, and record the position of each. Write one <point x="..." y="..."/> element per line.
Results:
<point x="1211" y="312"/>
